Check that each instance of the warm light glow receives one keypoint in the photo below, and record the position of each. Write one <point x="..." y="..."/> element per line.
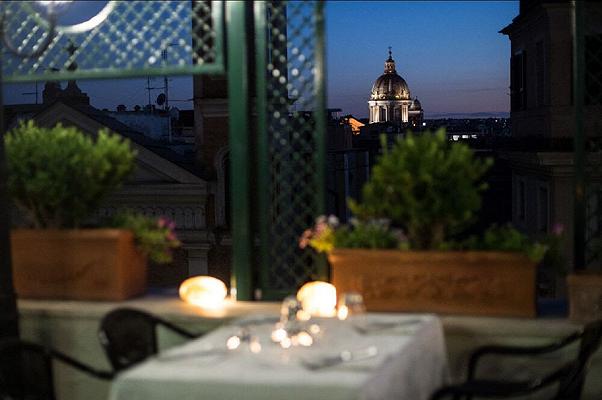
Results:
<point x="254" y="346"/>
<point x="286" y="343"/>
<point x="318" y="299"/>
<point x="303" y="315"/>
<point x="233" y="343"/>
<point x="279" y="335"/>
<point x="305" y="339"/>
<point x="203" y="291"/>
<point x="342" y="312"/>
<point x="314" y="329"/>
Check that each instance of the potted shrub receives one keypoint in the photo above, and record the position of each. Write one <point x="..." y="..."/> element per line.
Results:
<point x="57" y="179"/>
<point x="402" y="251"/>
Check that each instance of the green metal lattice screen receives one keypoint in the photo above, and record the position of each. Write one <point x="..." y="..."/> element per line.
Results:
<point x="113" y="39"/>
<point x="592" y="127"/>
<point x="291" y="104"/>
<point x="145" y="38"/>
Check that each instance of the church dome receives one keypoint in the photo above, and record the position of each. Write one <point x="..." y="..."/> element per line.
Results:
<point x="416" y="105"/>
<point x="390" y="86"/>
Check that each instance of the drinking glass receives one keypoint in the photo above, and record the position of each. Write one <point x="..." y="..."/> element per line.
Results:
<point x="351" y="308"/>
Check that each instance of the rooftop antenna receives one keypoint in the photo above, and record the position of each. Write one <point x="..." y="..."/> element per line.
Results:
<point x="165" y="86"/>
<point x="165" y="79"/>
<point x="37" y="91"/>
<point x="149" y="88"/>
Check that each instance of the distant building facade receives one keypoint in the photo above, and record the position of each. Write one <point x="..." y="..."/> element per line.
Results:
<point x="347" y="166"/>
<point x="391" y="101"/>
<point x="542" y="115"/>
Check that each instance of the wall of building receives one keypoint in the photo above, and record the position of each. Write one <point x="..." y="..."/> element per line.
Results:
<point x="154" y="126"/>
<point x="550" y="114"/>
<point x="211" y="120"/>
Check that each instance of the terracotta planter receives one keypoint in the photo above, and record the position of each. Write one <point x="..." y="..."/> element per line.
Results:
<point x="471" y="283"/>
<point x="86" y="264"/>
<point x="585" y="296"/>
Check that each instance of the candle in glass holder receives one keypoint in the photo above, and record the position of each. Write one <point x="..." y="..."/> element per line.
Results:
<point x="318" y="299"/>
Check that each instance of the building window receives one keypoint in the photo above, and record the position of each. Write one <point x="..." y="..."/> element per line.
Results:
<point x="383" y="114"/>
<point x="540" y="73"/>
<point x="543" y="208"/>
<point x="521" y="200"/>
<point x="518" y="81"/>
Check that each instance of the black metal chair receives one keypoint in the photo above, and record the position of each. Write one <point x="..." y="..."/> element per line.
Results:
<point x="129" y="336"/>
<point x="570" y="377"/>
<point x="26" y="370"/>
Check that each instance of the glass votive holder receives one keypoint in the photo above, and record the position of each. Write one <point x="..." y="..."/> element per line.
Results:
<point x="351" y="307"/>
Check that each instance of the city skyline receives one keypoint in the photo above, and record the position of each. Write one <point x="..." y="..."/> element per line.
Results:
<point x="450" y="53"/>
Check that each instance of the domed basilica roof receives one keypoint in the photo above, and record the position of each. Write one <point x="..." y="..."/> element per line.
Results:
<point x="390" y="86"/>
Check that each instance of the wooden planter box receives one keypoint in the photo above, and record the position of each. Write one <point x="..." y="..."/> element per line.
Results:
<point x="83" y="264"/>
<point x="471" y="283"/>
<point x="585" y="297"/>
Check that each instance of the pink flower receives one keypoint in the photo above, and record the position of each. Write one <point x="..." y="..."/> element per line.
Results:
<point x="305" y="237"/>
<point x="164" y="222"/>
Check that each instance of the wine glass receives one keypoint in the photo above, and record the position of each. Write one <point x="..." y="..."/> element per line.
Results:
<point x="351" y="308"/>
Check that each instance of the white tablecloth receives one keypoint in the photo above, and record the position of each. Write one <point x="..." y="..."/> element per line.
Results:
<point x="410" y="364"/>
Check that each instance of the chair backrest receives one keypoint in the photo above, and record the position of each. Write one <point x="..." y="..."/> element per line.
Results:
<point x="128" y="336"/>
<point x="571" y="385"/>
<point x="25" y="371"/>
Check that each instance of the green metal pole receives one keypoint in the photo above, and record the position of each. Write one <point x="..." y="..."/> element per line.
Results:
<point x="9" y="321"/>
<point x="263" y="162"/>
<point x="322" y="270"/>
<point x="239" y="135"/>
<point x="579" y="142"/>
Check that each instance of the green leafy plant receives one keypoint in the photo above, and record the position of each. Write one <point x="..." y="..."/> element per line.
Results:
<point x="426" y="185"/>
<point x="155" y="238"/>
<point x="59" y="176"/>
<point x="429" y="188"/>
<point x="503" y="238"/>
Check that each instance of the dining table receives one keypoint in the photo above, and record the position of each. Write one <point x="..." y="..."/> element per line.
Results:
<point x="374" y="356"/>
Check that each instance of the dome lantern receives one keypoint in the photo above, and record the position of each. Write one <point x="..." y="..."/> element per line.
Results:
<point x="390" y="64"/>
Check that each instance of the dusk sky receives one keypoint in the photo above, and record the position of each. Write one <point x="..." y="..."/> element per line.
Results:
<point x="450" y="54"/>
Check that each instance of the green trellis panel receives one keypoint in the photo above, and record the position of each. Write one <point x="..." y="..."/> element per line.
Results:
<point x="291" y="142"/>
<point x="590" y="47"/>
<point x="146" y="38"/>
<point x="137" y="38"/>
